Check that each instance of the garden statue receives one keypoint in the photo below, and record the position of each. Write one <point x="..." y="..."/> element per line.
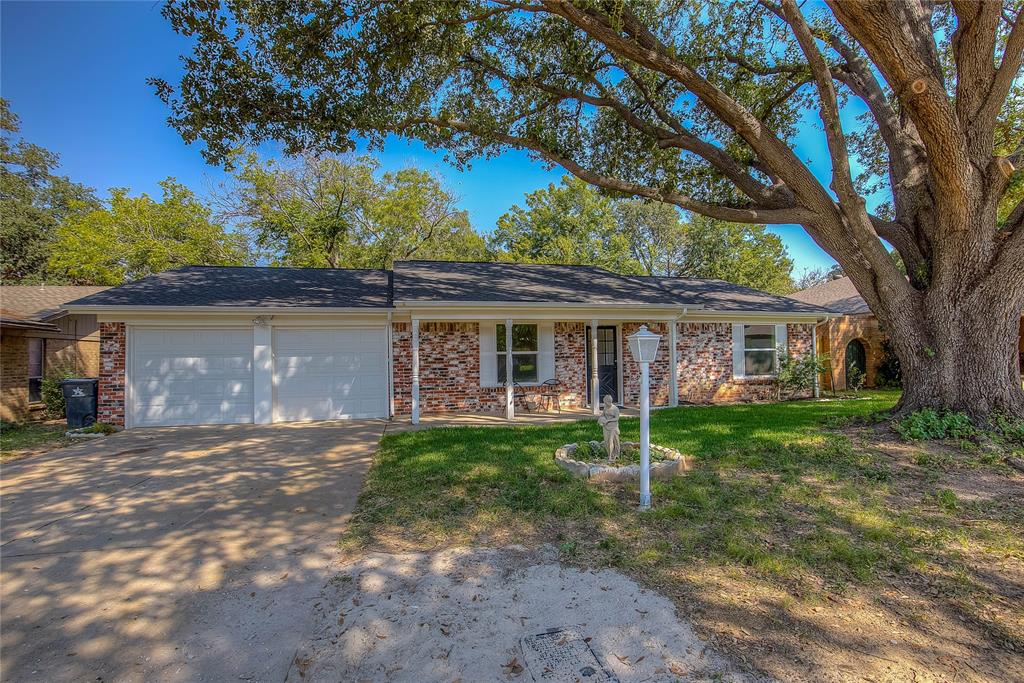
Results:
<point x="609" y="421"/>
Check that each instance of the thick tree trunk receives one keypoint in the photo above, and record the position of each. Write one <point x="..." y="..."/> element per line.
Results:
<point x="963" y="359"/>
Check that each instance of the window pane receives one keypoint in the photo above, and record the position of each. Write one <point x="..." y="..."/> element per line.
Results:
<point x="524" y="367"/>
<point x="759" y="336"/>
<point x="35" y="357"/>
<point x="524" y="337"/>
<point x="759" y="362"/>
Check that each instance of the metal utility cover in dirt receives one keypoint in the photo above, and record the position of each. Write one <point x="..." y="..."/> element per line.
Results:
<point x="561" y="654"/>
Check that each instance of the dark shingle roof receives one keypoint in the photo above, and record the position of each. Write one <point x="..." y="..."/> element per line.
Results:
<point x="241" y="287"/>
<point x="433" y="281"/>
<point x="719" y="295"/>
<point x="425" y="281"/>
<point x="41" y="302"/>
<point x="837" y="295"/>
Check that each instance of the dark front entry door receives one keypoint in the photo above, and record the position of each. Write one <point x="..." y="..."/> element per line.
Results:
<point x="855" y="358"/>
<point x="607" y="362"/>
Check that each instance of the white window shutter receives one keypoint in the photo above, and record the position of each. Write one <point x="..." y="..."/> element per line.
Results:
<point x="737" y="350"/>
<point x="546" y="351"/>
<point x="488" y="356"/>
<point x="780" y="339"/>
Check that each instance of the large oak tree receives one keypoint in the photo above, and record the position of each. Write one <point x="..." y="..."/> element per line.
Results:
<point x="693" y="103"/>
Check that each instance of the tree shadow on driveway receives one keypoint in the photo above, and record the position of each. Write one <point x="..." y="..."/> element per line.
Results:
<point x="177" y="553"/>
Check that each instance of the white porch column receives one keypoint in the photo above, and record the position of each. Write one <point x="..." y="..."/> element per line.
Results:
<point x="595" y="385"/>
<point x="262" y="373"/>
<point x="673" y="359"/>
<point x="415" y="371"/>
<point x="510" y="399"/>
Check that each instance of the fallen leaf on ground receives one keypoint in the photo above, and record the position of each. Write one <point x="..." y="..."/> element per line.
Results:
<point x="513" y="667"/>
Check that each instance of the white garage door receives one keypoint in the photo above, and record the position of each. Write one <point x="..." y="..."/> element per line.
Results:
<point x="328" y="374"/>
<point x="191" y="376"/>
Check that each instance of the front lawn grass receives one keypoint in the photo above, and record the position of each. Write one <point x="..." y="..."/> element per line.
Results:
<point x="790" y="507"/>
<point x="18" y="438"/>
<point x="447" y="485"/>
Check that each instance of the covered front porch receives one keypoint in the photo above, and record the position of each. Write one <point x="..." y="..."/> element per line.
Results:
<point x="538" y="366"/>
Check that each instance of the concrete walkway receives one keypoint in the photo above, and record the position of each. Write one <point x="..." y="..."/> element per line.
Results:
<point x="184" y="554"/>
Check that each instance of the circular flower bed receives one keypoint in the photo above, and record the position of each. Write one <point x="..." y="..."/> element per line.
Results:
<point x="588" y="461"/>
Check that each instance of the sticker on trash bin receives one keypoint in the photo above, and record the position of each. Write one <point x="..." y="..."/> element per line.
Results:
<point x="562" y="654"/>
<point x="77" y="392"/>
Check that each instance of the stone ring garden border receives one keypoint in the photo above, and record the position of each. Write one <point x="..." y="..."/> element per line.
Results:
<point x="675" y="463"/>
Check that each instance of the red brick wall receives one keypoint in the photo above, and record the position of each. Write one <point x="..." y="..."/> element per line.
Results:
<point x="571" y="363"/>
<point x="660" y="375"/>
<point x="704" y="354"/>
<point x="401" y="366"/>
<point x="112" y="362"/>
<point x="450" y="369"/>
<point x="13" y="377"/>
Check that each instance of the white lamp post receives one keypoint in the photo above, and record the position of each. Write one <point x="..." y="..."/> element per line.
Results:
<point x="643" y="344"/>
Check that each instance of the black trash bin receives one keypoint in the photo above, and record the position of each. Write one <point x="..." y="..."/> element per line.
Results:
<point x="80" y="396"/>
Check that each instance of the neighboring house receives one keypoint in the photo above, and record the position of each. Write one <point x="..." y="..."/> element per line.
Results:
<point x="853" y="337"/>
<point x="38" y="337"/>
<point x="204" y="345"/>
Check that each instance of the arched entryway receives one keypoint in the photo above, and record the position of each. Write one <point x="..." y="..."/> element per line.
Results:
<point x="856" y="357"/>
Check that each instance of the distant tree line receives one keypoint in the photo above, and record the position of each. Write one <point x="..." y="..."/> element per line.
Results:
<point x="343" y="211"/>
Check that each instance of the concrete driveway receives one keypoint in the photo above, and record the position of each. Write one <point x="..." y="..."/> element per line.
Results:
<point x="176" y="554"/>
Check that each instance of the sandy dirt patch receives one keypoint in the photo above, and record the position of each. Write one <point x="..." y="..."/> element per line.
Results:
<point x="459" y="614"/>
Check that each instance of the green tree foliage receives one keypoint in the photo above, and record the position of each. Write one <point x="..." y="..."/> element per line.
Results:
<point x="327" y="211"/>
<point x="137" y="236"/>
<point x="574" y="223"/>
<point x="33" y="201"/>
<point x="566" y="223"/>
<point x="745" y="254"/>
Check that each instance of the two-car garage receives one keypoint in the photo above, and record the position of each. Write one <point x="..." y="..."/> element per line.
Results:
<point x="207" y="375"/>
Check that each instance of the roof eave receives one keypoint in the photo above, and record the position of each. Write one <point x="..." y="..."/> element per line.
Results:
<point x="412" y="303"/>
<point x="29" y="325"/>
<point x="801" y="316"/>
<point x="259" y="310"/>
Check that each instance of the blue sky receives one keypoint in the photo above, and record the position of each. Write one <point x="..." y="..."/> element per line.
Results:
<point x="75" y="72"/>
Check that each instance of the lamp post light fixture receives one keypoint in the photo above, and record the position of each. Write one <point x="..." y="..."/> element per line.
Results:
<point x="643" y="344"/>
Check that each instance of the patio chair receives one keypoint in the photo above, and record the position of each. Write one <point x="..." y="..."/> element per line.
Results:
<point x="519" y="393"/>
<point x="550" y="390"/>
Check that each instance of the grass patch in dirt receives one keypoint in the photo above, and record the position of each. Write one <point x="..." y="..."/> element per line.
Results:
<point x="808" y="540"/>
<point x="20" y="439"/>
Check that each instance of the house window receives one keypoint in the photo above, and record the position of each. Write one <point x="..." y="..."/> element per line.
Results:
<point x="35" y="369"/>
<point x="524" y="352"/>
<point x="759" y="350"/>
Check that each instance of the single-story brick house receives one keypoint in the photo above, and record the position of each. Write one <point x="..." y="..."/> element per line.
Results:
<point x="852" y="337"/>
<point x="37" y="338"/>
<point x="202" y="345"/>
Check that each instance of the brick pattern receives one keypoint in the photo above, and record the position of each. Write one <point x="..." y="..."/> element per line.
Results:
<point x="571" y="364"/>
<point x="659" y="370"/>
<point x="112" y="375"/>
<point x="704" y="355"/>
<point x="401" y="367"/>
<point x="13" y="378"/>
